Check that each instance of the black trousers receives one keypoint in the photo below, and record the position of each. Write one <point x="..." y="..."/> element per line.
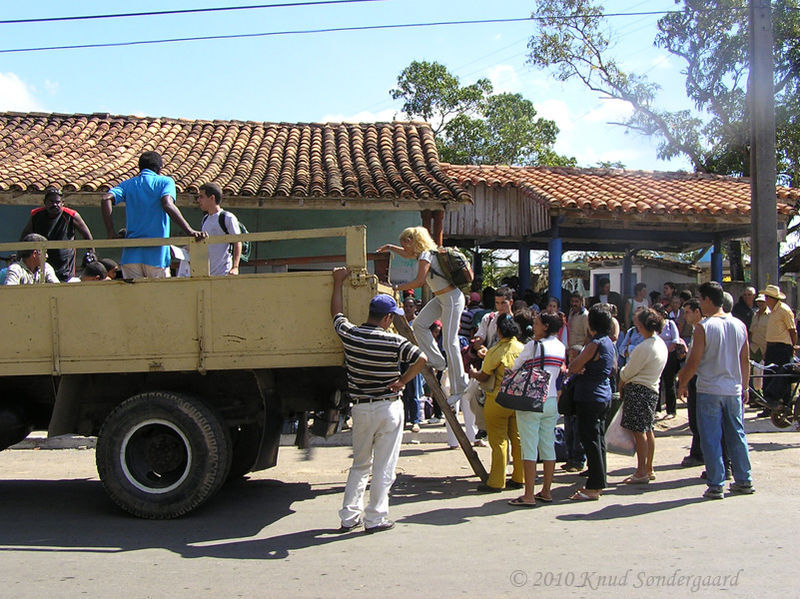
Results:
<point x="778" y="353"/>
<point x="592" y="433"/>
<point x="668" y="384"/>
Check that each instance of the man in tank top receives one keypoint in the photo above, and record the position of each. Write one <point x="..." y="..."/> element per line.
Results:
<point x="720" y="358"/>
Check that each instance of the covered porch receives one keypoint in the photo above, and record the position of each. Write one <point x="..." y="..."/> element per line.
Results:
<point x="610" y="210"/>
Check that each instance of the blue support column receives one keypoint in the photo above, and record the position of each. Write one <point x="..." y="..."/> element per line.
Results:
<point x="554" y="265"/>
<point x="524" y="266"/>
<point x="716" y="262"/>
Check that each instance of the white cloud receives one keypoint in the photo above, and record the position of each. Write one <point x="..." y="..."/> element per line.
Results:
<point x="609" y="110"/>
<point x="364" y="116"/>
<point x="17" y="95"/>
<point x="51" y="86"/>
<point x="555" y="110"/>
<point x="504" y="79"/>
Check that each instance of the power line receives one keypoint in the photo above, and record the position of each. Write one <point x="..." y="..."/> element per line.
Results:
<point x="178" y="12"/>
<point x="325" y="30"/>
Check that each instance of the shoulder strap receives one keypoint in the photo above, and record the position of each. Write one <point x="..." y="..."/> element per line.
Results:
<point x="222" y="224"/>
<point x="541" y="355"/>
<point x="437" y="254"/>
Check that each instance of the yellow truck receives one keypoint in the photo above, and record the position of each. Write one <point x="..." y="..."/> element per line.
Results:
<point x="184" y="381"/>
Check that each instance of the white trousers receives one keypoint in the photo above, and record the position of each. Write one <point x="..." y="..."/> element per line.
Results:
<point x="469" y="422"/>
<point x="377" y="435"/>
<point x="447" y="308"/>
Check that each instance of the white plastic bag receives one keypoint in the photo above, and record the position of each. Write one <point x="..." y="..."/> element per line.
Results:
<point x="619" y="440"/>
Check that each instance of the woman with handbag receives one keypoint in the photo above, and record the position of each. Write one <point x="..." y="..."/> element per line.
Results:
<point x="639" y="379"/>
<point x="593" y="368"/>
<point x="501" y="423"/>
<point x="537" y="429"/>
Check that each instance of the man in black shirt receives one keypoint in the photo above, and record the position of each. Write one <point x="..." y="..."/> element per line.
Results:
<point x="57" y="223"/>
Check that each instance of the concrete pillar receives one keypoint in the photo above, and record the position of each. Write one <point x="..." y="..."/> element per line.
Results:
<point x="716" y="262"/>
<point x="524" y="266"/>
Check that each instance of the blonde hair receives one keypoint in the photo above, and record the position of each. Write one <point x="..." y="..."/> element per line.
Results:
<point x="420" y="239"/>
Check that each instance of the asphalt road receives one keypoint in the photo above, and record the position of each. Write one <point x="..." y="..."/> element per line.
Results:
<point x="272" y="535"/>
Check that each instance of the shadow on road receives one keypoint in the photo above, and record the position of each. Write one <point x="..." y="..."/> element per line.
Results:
<point x="614" y="511"/>
<point x="77" y="516"/>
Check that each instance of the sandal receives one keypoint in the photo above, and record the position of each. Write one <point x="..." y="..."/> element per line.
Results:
<point x="541" y="497"/>
<point x="637" y="480"/>
<point x="582" y="496"/>
<point x="520" y="502"/>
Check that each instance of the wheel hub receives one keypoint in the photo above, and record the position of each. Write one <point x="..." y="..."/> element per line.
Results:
<point x="155" y="456"/>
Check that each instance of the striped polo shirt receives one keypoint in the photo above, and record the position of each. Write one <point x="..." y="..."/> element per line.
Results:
<point x="372" y="358"/>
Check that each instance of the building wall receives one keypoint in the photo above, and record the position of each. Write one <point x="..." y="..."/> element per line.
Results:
<point x="383" y="226"/>
<point x="654" y="278"/>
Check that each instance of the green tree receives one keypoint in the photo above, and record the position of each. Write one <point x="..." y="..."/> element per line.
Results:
<point x="711" y="37"/>
<point x="474" y="126"/>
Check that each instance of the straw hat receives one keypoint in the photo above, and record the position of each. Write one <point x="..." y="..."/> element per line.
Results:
<point x="774" y="292"/>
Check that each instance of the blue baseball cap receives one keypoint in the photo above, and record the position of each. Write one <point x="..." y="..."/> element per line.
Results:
<point x="384" y="304"/>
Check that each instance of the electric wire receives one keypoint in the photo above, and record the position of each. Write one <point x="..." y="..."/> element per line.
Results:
<point x="158" y="13"/>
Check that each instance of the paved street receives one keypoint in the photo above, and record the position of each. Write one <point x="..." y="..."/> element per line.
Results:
<point x="271" y="535"/>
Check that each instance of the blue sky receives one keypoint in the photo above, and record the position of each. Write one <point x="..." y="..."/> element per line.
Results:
<point x="321" y="77"/>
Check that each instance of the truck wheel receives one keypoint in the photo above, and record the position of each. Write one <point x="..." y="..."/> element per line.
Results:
<point x="161" y="455"/>
<point x="246" y="441"/>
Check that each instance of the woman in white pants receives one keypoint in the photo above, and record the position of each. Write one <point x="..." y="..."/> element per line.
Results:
<point x="446" y="306"/>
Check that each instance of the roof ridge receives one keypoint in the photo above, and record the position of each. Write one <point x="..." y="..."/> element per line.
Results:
<point x="108" y="115"/>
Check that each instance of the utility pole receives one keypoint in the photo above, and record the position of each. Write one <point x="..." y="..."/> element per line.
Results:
<point x="763" y="169"/>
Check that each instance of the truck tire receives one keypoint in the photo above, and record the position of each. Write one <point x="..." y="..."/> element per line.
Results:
<point x="160" y="455"/>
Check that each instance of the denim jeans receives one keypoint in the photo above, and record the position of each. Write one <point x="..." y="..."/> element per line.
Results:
<point x="718" y="414"/>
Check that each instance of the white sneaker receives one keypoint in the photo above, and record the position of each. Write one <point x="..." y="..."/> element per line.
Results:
<point x="434" y="420"/>
<point x="415" y="428"/>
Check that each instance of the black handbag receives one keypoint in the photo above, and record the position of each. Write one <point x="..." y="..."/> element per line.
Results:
<point x="525" y="389"/>
<point x="566" y="401"/>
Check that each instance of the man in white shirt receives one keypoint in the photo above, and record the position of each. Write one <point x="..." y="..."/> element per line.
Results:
<point x="223" y="258"/>
<point x="29" y="268"/>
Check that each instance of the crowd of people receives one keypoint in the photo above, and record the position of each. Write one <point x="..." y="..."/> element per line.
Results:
<point x="149" y="200"/>
<point x="639" y="356"/>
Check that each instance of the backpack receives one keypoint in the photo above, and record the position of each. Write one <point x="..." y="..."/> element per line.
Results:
<point x="456" y="267"/>
<point x="247" y="246"/>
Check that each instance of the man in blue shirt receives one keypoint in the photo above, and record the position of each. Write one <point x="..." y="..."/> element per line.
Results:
<point x="149" y="202"/>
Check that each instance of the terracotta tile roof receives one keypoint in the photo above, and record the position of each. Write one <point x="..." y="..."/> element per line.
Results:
<point x="394" y="161"/>
<point x="624" y="192"/>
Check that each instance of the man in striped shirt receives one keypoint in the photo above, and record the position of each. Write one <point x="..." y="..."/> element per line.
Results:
<point x="372" y="361"/>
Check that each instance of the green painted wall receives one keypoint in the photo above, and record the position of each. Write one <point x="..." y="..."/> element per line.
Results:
<point x="383" y="226"/>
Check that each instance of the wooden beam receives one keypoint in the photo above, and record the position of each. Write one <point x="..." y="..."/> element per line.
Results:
<point x="401" y="325"/>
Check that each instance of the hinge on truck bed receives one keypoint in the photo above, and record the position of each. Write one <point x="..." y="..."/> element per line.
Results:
<point x="360" y="278"/>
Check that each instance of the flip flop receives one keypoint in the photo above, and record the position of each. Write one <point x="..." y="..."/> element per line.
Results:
<point x="581" y="496"/>
<point x="637" y="480"/>
<point x="541" y="497"/>
<point x="519" y="502"/>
